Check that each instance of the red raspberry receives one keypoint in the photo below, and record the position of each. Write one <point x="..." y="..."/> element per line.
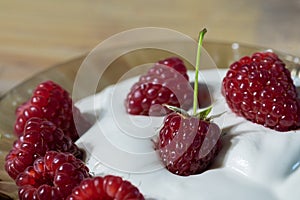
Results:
<point x="51" y="177"/>
<point x="165" y="83"/>
<point x="260" y="89"/>
<point x="188" y="145"/>
<point x="39" y="137"/>
<point x="50" y="101"/>
<point x="108" y="187"/>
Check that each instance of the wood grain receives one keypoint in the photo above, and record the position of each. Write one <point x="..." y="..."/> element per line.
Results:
<point x="38" y="34"/>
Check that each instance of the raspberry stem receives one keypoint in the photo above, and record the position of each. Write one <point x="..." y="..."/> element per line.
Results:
<point x="200" y="39"/>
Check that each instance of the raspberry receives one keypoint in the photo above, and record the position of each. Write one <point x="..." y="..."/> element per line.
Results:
<point x="165" y="83"/>
<point x="39" y="137"/>
<point x="108" y="187"/>
<point x="260" y="88"/>
<point x="50" y="101"/>
<point x="188" y="145"/>
<point x="51" y="177"/>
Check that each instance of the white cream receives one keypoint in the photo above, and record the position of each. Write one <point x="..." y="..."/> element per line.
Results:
<point x="255" y="162"/>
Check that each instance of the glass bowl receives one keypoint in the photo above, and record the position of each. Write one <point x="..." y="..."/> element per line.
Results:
<point x="223" y="54"/>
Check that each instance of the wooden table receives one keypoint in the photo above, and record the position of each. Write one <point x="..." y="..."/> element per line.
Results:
<point x="35" y="35"/>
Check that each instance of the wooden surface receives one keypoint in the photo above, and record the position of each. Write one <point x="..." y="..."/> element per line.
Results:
<point x="35" y="35"/>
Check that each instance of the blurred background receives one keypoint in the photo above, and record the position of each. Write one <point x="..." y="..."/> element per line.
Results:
<point x="35" y="35"/>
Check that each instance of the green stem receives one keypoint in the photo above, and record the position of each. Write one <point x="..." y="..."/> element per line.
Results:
<point x="195" y="103"/>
